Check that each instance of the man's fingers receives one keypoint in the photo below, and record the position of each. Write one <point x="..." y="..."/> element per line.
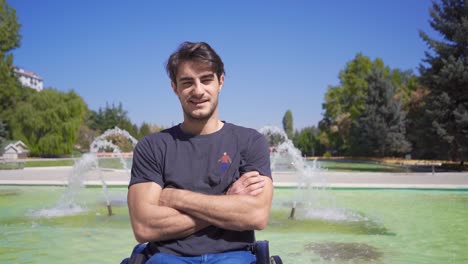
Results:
<point x="256" y="188"/>
<point x="249" y="183"/>
<point x="252" y="180"/>
<point x="249" y="175"/>
<point x="256" y="192"/>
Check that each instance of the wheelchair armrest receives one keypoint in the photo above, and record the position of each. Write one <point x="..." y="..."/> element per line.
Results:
<point x="137" y="257"/>
<point x="262" y="252"/>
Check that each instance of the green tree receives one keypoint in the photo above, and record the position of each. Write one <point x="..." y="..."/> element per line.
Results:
<point x="275" y="138"/>
<point x="3" y="132"/>
<point x="85" y="137"/>
<point x="9" y="28"/>
<point x="308" y="142"/>
<point x="49" y="121"/>
<point x="418" y="134"/>
<point x="444" y="72"/>
<point x="110" y="117"/>
<point x="144" y="130"/>
<point x="380" y="130"/>
<point x="407" y="84"/>
<point x="288" y="124"/>
<point x="9" y="40"/>
<point x="127" y="125"/>
<point x="344" y="103"/>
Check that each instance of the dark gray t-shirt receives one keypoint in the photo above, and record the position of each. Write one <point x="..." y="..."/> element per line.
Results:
<point x="206" y="164"/>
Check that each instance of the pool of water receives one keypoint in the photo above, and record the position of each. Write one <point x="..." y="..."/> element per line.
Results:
<point x="355" y="226"/>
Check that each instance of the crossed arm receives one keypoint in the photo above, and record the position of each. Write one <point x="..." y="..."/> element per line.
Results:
<point x="160" y="214"/>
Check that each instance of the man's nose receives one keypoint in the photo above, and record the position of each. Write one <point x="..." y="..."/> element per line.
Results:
<point x="198" y="88"/>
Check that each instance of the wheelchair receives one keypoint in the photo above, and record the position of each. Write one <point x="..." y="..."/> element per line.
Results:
<point x="260" y="249"/>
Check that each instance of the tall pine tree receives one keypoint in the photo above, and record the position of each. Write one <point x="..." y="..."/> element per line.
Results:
<point x="380" y="129"/>
<point x="288" y="126"/>
<point x="444" y="72"/>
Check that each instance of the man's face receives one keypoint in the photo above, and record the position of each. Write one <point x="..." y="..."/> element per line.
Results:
<point x="197" y="88"/>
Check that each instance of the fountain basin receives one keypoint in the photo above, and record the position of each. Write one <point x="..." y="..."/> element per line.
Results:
<point x="372" y="226"/>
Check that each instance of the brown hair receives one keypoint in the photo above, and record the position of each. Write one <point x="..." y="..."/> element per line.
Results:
<point x="194" y="51"/>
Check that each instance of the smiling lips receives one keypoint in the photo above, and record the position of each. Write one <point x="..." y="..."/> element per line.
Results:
<point x="197" y="102"/>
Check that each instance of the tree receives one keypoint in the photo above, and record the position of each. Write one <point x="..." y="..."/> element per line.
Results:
<point x="344" y="103"/>
<point x="49" y="121"/>
<point x="9" y="40"/>
<point x="308" y="142"/>
<point x="85" y="137"/>
<point x="380" y="129"/>
<point x="9" y="28"/>
<point x="127" y="125"/>
<point x="110" y="117"/>
<point x="288" y="124"/>
<point x="444" y="72"/>
<point x="417" y="132"/>
<point x="275" y="137"/>
<point x="3" y="131"/>
<point x="144" y="130"/>
<point x="407" y="84"/>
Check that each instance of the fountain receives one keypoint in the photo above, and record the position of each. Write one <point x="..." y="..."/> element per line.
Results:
<point x="68" y="203"/>
<point x="312" y="200"/>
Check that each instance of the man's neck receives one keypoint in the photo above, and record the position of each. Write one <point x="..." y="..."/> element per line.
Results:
<point x="198" y="127"/>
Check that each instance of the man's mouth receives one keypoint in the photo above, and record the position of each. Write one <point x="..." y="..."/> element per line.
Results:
<point x="198" y="102"/>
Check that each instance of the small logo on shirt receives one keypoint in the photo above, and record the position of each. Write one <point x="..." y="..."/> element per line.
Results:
<point x="225" y="162"/>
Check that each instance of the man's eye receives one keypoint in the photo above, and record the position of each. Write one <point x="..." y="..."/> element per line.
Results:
<point x="205" y="81"/>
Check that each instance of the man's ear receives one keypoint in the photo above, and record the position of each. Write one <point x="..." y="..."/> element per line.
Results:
<point x="221" y="82"/>
<point x="174" y="88"/>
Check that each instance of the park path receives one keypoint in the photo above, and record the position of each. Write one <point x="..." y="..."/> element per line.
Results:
<point x="438" y="180"/>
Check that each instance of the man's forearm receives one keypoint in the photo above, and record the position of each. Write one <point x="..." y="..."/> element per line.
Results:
<point x="233" y="212"/>
<point x="173" y="225"/>
<point x="151" y="222"/>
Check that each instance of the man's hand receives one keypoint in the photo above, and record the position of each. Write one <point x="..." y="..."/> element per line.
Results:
<point x="249" y="183"/>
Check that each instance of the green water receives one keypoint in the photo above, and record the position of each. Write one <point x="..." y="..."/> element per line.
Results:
<point x="383" y="226"/>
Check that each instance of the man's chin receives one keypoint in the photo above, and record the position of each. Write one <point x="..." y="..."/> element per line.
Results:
<point x="199" y="116"/>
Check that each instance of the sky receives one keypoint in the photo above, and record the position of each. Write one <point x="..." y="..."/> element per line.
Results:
<point x="278" y="55"/>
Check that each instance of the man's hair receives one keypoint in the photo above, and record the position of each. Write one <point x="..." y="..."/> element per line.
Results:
<point x="197" y="52"/>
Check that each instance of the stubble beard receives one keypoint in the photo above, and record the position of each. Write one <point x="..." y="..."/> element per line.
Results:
<point x="201" y="117"/>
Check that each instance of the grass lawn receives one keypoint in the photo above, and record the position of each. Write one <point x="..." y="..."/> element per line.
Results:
<point x="49" y="163"/>
<point x="113" y="163"/>
<point x="359" y="166"/>
<point x="11" y="165"/>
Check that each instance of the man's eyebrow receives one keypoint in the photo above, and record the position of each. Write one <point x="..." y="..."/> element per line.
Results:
<point x="209" y="75"/>
<point x="181" y="79"/>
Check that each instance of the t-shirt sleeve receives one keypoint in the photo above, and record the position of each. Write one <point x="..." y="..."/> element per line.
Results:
<point x="146" y="166"/>
<point x="257" y="156"/>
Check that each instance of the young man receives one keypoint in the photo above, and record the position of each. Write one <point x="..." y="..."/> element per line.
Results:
<point x="198" y="190"/>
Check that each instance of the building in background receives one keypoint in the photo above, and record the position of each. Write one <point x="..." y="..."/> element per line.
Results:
<point x="13" y="150"/>
<point x="29" y="79"/>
